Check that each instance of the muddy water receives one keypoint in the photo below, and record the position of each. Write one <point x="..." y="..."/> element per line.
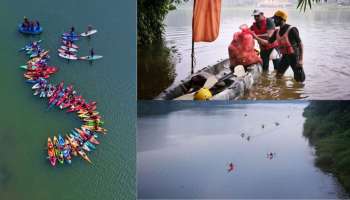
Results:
<point x="325" y="32"/>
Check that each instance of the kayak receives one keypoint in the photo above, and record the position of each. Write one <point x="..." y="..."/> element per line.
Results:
<point x="74" y="38"/>
<point x="84" y="156"/>
<point x="95" y="57"/>
<point x="228" y="86"/>
<point x="52" y="157"/>
<point x="60" y="140"/>
<point x="69" y="49"/>
<point x="66" y="155"/>
<point x="29" y="32"/>
<point x="69" y="57"/>
<point x="73" y="45"/>
<point x="49" y="143"/>
<point x="97" y="129"/>
<point x="88" y="33"/>
<point x="30" y="45"/>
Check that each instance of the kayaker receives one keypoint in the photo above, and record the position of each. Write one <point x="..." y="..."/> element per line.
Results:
<point x="31" y="26"/>
<point x="289" y="45"/>
<point x="89" y="28"/>
<point x="92" y="53"/>
<point x="72" y="29"/>
<point x="37" y="25"/>
<point x="25" y="23"/>
<point x="231" y="167"/>
<point x="69" y="44"/>
<point x="264" y="27"/>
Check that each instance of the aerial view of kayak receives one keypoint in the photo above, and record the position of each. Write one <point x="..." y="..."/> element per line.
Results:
<point x="74" y="38"/>
<point x="73" y="45"/>
<point x="35" y="31"/>
<point x="69" y="49"/>
<point x="88" y="33"/>
<point x="95" y="57"/>
<point x="67" y="56"/>
<point x="70" y="34"/>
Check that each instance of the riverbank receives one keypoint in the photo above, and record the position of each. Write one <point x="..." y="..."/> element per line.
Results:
<point x="327" y="126"/>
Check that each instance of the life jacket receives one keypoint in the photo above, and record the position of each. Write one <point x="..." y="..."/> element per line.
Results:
<point x="263" y="30"/>
<point x="284" y="44"/>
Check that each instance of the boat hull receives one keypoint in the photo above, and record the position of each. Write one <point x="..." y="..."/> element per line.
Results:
<point x="234" y="87"/>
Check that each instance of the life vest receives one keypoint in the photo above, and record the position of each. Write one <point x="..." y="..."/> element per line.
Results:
<point x="284" y="44"/>
<point x="263" y="30"/>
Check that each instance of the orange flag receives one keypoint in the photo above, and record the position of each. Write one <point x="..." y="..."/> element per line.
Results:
<point x="206" y="20"/>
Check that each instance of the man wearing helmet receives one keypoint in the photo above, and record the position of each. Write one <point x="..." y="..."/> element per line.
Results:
<point x="289" y="45"/>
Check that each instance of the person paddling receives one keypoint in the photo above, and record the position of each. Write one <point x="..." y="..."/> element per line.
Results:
<point x="92" y="52"/>
<point x="25" y="23"/>
<point x="231" y="167"/>
<point x="89" y="28"/>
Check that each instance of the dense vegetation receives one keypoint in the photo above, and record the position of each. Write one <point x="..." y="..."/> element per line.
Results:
<point x="328" y="128"/>
<point x="151" y="14"/>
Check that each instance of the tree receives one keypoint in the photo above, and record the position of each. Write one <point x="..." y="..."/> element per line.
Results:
<point x="302" y="4"/>
<point x="151" y="14"/>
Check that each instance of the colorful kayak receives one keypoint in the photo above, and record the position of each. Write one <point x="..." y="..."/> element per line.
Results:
<point x="84" y="156"/>
<point x="88" y="33"/>
<point x="95" y="57"/>
<point x="74" y="38"/>
<point x="73" y="45"/>
<point x="69" y="49"/>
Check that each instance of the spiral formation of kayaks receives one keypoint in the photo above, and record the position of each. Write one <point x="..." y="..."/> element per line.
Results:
<point x="79" y="141"/>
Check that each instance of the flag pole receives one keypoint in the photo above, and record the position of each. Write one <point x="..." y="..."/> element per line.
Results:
<point x="192" y="53"/>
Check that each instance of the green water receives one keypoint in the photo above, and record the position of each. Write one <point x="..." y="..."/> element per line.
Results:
<point x="25" y="122"/>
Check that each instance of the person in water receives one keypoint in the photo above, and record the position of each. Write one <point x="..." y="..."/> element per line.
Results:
<point x="289" y="45"/>
<point x="264" y="27"/>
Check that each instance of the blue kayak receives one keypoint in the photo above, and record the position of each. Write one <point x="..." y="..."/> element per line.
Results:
<point x="70" y="38"/>
<point x="36" y="31"/>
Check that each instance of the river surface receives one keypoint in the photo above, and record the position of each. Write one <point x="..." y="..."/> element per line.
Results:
<point x="325" y="33"/>
<point x="25" y="121"/>
<point x="184" y="150"/>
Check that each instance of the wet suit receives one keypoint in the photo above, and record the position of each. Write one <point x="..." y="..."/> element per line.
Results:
<point x="290" y="59"/>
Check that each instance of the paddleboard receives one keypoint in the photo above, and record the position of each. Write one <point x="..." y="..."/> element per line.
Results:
<point x="69" y="57"/>
<point x="88" y="33"/>
<point x="95" y="57"/>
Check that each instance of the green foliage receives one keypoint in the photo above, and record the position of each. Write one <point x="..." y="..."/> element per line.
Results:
<point x="328" y="127"/>
<point x="302" y="4"/>
<point x="151" y="14"/>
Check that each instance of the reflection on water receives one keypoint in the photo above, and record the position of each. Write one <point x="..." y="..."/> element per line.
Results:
<point x="268" y="87"/>
<point x="184" y="153"/>
<point x="325" y="32"/>
<point x="155" y="70"/>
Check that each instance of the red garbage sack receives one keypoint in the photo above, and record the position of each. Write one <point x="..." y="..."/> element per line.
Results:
<point x="241" y="50"/>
